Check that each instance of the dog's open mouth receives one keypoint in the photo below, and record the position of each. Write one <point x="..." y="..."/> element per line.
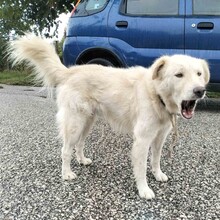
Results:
<point x="187" y="108"/>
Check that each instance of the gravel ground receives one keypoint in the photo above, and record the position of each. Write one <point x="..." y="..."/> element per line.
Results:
<point x="30" y="168"/>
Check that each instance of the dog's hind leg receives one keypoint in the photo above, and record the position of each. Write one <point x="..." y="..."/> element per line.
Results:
<point x="72" y="130"/>
<point x="80" y="146"/>
<point x="67" y="173"/>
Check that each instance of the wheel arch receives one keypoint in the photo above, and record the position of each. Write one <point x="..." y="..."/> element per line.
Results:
<point x="93" y="53"/>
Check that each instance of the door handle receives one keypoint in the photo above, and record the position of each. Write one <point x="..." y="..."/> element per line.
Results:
<point x="122" y="24"/>
<point x="205" y="25"/>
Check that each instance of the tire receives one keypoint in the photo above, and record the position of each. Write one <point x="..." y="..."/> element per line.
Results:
<point x="101" y="61"/>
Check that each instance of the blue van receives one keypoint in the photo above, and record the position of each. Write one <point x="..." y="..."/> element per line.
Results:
<point x="124" y="33"/>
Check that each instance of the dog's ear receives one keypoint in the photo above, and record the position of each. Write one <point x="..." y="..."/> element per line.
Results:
<point x="158" y="66"/>
<point x="206" y="71"/>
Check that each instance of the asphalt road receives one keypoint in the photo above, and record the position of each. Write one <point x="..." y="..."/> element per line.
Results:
<point x="30" y="168"/>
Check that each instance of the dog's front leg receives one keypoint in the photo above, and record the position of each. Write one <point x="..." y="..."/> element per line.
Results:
<point x="139" y="160"/>
<point x="156" y="149"/>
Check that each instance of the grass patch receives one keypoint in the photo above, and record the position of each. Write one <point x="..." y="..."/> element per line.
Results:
<point x="13" y="77"/>
<point x="213" y="94"/>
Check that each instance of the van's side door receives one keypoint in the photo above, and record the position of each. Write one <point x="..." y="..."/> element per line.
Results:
<point x="202" y="33"/>
<point x="143" y="30"/>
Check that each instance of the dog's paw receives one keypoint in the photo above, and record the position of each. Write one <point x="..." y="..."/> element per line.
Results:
<point x="160" y="176"/>
<point x="146" y="193"/>
<point x="85" y="161"/>
<point x="69" y="175"/>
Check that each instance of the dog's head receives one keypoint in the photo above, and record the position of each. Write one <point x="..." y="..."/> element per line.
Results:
<point x="180" y="81"/>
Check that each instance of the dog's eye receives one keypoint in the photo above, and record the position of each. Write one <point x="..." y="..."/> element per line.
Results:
<point x="199" y="73"/>
<point x="179" y="75"/>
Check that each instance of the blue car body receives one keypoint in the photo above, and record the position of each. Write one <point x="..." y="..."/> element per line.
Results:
<point x="135" y="32"/>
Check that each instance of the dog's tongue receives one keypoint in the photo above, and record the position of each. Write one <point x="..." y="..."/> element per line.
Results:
<point x="188" y="114"/>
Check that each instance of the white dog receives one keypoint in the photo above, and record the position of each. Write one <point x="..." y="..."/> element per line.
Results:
<point x="140" y="101"/>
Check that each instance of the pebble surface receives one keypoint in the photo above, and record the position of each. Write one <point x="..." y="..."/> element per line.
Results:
<point x="30" y="168"/>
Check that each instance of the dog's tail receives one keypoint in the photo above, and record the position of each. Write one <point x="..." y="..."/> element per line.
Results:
<point x="41" y="55"/>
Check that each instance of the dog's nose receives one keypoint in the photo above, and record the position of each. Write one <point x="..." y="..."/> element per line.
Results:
<point x="199" y="91"/>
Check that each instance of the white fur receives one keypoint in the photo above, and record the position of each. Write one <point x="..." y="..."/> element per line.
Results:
<point x="127" y="98"/>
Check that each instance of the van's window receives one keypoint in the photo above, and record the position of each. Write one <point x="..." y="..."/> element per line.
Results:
<point x="152" y="7"/>
<point x="88" y="7"/>
<point x="206" y="7"/>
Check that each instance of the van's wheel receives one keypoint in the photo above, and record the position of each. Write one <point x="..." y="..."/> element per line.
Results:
<point x="101" y="61"/>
